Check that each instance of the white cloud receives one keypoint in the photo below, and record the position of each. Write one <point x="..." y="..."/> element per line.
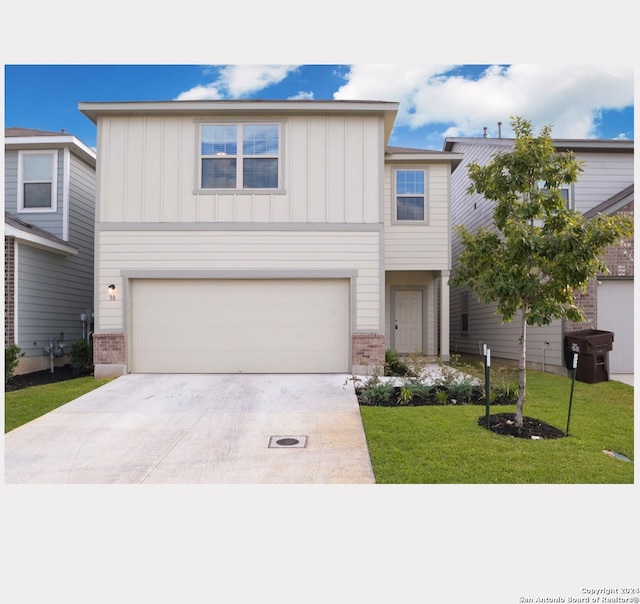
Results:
<point x="567" y="97"/>
<point x="302" y="96"/>
<point x="238" y="81"/>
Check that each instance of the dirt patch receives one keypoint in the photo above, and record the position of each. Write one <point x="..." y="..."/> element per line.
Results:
<point x="37" y="378"/>
<point x="505" y="424"/>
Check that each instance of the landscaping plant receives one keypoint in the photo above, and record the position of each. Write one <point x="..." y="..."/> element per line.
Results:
<point x="540" y="252"/>
<point x="12" y="354"/>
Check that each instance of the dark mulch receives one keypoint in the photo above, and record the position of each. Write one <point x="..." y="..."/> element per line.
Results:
<point x="504" y="424"/>
<point x="37" y="378"/>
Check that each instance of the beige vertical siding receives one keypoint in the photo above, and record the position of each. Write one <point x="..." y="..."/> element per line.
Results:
<point x="332" y="172"/>
<point x="421" y="246"/>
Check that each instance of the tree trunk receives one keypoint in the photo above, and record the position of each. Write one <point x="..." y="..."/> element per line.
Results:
<point x="522" y="370"/>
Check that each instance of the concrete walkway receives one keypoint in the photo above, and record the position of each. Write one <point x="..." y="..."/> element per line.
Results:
<point x="190" y="429"/>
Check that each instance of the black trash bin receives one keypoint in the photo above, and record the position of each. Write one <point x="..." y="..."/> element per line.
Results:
<point x="593" y="347"/>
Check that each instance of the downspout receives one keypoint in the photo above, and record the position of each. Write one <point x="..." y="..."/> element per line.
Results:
<point x="66" y="177"/>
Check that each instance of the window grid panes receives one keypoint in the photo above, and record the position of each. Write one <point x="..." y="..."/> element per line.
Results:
<point x="240" y="156"/>
<point x="37" y="186"/>
<point x="410" y="195"/>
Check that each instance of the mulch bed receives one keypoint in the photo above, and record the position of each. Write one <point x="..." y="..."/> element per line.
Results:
<point x="505" y="425"/>
<point x="37" y="378"/>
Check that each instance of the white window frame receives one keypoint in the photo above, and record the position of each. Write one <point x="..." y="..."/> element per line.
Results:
<point x="53" y="206"/>
<point x="407" y="221"/>
<point x="240" y="157"/>
<point x="564" y="187"/>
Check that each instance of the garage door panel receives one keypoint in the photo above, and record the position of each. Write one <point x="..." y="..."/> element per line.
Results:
<point x="225" y="326"/>
<point x="615" y="313"/>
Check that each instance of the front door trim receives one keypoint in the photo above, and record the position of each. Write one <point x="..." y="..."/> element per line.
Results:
<point x="403" y="288"/>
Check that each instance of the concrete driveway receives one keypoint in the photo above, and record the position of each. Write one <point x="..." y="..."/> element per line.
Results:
<point x="198" y="429"/>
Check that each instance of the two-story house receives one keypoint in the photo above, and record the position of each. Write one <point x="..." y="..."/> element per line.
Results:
<point x="265" y="236"/>
<point x="605" y="186"/>
<point x="49" y="195"/>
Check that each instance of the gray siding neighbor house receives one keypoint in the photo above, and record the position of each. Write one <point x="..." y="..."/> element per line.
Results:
<point x="50" y="186"/>
<point x="605" y="186"/>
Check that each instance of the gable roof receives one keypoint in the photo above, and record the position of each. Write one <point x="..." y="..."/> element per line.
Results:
<point x="560" y="144"/>
<point x="14" y="131"/>
<point x="413" y="154"/>
<point x="32" y="138"/>
<point x="614" y="203"/>
<point x="34" y="235"/>
<point x="239" y="108"/>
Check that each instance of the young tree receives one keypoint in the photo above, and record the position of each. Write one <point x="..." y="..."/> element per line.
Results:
<point x="540" y="252"/>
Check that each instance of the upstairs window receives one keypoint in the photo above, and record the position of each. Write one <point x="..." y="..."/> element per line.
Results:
<point x="240" y="156"/>
<point x="37" y="181"/>
<point x="565" y="191"/>
<point x="410" y="196"/>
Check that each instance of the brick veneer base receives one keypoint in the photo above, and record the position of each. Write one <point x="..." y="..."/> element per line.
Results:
<point x="367" y="351"/>
<point x="109" y="349"/>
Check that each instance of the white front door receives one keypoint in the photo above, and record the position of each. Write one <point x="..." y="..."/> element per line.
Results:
<point x="408" y="321"/>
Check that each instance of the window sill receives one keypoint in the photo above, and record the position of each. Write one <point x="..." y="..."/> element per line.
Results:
<point x="239" y="192"/>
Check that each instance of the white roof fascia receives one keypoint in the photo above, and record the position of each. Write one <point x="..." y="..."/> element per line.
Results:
<point x="388" y="108"/>
<point x="38" y="241"/>
<point x="47" y="142"/>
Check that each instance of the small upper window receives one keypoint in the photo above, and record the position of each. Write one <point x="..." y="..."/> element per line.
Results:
<point x="410" y="196"/>
<point x="240" y="156"/>
<point x="565" y="191"/>
<point x="37" y="181"/>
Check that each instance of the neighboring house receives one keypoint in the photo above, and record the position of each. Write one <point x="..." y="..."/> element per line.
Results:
<point x="266" y="236"/>
<point x="49" y="202"/>
<point x="606" y="186"/>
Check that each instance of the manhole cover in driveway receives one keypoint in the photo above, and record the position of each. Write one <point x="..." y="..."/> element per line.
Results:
<point x="287" y="442"/>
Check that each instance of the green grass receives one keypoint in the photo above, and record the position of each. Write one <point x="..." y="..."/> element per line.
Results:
<point x="444" y="444"/>
<point x="27" y="404"/>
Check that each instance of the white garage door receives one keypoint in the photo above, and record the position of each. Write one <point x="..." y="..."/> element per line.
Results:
<point x="615" y="313"/>
<point x="248" y="326"/>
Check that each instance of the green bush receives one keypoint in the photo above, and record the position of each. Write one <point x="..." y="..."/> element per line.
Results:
<point x="12" y="354"/>
<point x="461" y="391"/>
<point x="394" y="365"/>
<point x="378" y="393"/>
<point x="81" y="357"/>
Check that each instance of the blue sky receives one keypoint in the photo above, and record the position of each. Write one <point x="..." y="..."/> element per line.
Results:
<point x="579" y="101"/>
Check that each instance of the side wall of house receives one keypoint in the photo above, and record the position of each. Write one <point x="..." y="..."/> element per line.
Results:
<point x="419" y="246"/>
<point x="605" y="174"/>
<point x="53" y="289"/>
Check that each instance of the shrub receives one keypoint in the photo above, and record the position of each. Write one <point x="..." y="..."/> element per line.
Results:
<point x="461" y="391"/>
<point x="393" y="365"/>
<point x="81" y="357"/>
<point x="442" y="397"/>
<point x="378" y="393"/>
<point x="12" y="354"/>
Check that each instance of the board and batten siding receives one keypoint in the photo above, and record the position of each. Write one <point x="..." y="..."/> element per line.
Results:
<point x="419" y="246"/>
<point x="233" y="254"/>
<point x="332" y="172"/>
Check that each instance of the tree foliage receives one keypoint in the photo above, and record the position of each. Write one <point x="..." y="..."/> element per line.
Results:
<point x="538" y="253"/>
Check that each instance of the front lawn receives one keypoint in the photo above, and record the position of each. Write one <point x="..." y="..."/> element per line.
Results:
<point x="27" y="404"/>
<point x="445" y="444"/>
